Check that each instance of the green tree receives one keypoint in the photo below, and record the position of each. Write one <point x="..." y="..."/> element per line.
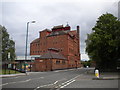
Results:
<point x="103" y="44"/>
<point x="86" y="63"/>
<point x="8" y="45"/>
<point x="0" y="44"/>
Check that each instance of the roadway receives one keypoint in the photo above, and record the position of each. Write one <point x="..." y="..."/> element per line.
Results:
<point x="69" y="78"/>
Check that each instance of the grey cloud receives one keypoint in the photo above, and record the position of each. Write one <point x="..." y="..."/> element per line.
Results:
<point x="47" y="15"/>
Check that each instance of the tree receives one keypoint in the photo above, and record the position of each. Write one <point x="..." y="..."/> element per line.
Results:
<point x="0" y="43"/>
<point x="103" y="44"/>
<point x="8" y="45"/>
<point x="86" y="63"/>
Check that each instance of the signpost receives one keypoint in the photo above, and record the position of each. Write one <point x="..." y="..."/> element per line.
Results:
<point x="8" y="55"/>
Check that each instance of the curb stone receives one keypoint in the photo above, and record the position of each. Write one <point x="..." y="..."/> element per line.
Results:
<point x="106" y="78"/>
<point x="12" y="75"/>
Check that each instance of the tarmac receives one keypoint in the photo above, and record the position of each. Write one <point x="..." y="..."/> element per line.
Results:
<point x="102" y="76"/>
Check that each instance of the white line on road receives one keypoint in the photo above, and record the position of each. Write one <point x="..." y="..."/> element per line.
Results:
<point x="67" y="84"/>
<point x="38" y="78"/>
<point x="21" y="81"/>
<point x="65" y="70"/>
<point x="25" y="80"/>
<point x="61" y="70"/>
<point x="3" y="84"/>
<point x="15" y="82"/>
<point x="46" y="85"/>
<point x="56" y="71"/>
<point x="56" y="82"/>
<point x="41" y="77"/>
<point x="59" y="86"/>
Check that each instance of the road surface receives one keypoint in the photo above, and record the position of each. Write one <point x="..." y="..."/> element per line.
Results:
<point x="69" y="78"/>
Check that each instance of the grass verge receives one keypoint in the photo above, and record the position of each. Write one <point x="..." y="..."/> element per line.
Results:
<point x="7" y="71"/>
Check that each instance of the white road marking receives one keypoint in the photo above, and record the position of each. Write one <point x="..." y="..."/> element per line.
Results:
<point x="59" y="86"/>
<point x="21" y="81"/>
<point x="64" y="70"/>
<point x="15" y="82"/>
<point x="46" y="85"/>
<point x="61" y="70"/>
<point x="38" y="78"/>
<point x="56" y="71"/>
<point x="71" y="69"/>
<point x="67" y="84"/>
<point x="56" y="82"/>
<point x="25" y="80"/>
<point x="3" y="84"/>
<point x="42" y="77"/>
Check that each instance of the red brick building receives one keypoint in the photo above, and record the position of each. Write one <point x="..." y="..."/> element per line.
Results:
<point x="65" y="40"/>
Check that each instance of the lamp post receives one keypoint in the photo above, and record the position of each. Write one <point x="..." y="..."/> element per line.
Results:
<point x="26" y="43"/>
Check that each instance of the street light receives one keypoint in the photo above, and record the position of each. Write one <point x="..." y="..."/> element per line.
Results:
<point x="27" y="41"/>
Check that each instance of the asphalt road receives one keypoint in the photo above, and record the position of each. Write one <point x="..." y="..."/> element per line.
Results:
<point x="70" y="78"/>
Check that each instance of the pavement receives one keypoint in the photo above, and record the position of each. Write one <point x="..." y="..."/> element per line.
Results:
<point x="104" y="75"/>
<point x="12" y="75"/>
<point x="108" y="76"/>
<point x="20" y="74"/>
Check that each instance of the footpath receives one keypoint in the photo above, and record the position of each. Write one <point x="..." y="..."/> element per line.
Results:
<point x="109" y="76"/>
<point x="20" y="74"/>
<point x="12" y="75"/>
<point x="104" y="75"/>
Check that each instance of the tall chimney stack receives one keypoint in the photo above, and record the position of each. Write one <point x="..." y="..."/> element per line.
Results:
<point x="78" y="31"/>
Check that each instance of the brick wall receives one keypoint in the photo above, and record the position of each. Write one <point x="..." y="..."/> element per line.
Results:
<point x="49" y="64"/>
<point x="68" y="44"/>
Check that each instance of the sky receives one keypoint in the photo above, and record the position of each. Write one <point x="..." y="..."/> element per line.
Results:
<point x="48" y="13"/>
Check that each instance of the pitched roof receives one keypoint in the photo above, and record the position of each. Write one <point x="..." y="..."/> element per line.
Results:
<point x="47" y="30"/>
<point x="73" y="32"/>
<point x="36" y="40"/>
<point x="52" y="55"/>
<point x="60" y="26"/>
<point x="57" y="33"/>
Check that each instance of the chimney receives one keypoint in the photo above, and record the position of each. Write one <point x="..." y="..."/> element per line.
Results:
<point x="78" y="31"/>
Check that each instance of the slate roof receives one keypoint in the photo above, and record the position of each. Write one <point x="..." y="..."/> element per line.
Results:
<point x="60" y="26"/>
<point x="52" y="55"/>
<point x="46" y="30"/>
<point x="58" y="33"/>
<point x="36" y="40"/>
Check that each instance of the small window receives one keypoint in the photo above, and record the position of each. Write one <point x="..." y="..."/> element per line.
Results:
<point x="57" y="62"/>
<point x="63" y="62"/>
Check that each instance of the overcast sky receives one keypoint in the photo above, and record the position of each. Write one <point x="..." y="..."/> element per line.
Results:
<point x="49" y="13"/>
